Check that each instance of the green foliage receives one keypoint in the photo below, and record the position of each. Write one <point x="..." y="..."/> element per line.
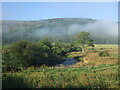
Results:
<point x="63" y="48"/>
<point x="103" y="54"/>
<point x="45" y="43"/>
<point x="21" y="54"/>
<point x="24" y="54"/>
<point x="83" y="39"/>
<point x="58" y="49"/>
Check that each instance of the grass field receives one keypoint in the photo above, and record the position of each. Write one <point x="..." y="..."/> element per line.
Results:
<point x="93" y="71"/>
<point x="103" y="76"/>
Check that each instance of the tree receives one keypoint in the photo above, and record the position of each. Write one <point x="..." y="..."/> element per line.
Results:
<point x="45" y="43"/>
<point x="82" y="39"/>
<point x="23" y="54"/>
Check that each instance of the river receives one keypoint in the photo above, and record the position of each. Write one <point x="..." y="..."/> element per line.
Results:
<point x="69" y="61"/>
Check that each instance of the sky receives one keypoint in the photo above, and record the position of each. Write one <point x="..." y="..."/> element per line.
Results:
<point x="27" y="11"/>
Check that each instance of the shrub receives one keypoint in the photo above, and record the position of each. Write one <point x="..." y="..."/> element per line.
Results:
<point x="63" y="48"/>
<point x="24" y="54"/>
<point x="103" y="54"/>
<point x="45" y="44"/>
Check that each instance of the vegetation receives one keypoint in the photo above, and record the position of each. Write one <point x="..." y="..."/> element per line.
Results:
<point x="35" y="64"/>
<point x="24" y="54"/>
<point x="103" y="54"/>
<point x="82" y="39"/>
<point x="53" y="77"/>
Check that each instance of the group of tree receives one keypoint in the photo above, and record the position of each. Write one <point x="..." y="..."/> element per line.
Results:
<point x="23" y="54"/>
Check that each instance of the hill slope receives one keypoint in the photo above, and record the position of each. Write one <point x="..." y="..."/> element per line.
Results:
<point x="57" y="29"/>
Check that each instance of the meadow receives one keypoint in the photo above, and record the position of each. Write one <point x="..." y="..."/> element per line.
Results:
<point x="94" y="70"/>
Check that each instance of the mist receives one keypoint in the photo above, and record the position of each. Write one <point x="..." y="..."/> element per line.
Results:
<point x="58" y="30"/>
<point x="98" y="27"/>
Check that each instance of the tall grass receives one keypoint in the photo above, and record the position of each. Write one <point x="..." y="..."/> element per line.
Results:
<point x="53" y="77"/>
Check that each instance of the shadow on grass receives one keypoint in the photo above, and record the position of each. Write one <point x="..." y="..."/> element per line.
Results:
<point x="9" y="81"/>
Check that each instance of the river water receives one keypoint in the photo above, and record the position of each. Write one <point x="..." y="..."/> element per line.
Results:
<point x="69" y="61"/>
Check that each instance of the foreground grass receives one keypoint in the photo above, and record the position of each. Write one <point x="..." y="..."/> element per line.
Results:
<point x="103" y="76"/>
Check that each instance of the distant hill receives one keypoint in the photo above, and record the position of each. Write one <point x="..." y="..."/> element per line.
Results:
<point x="55" y="29"/>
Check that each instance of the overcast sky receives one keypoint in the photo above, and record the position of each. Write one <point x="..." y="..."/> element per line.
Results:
<point x="45" y="10"/>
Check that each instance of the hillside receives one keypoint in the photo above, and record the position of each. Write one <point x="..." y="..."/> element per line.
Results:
<point x="56" y="29"/>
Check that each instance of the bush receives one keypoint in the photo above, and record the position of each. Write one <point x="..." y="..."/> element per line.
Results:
<point x="21" y="54"/>
<point x="24" y="54"/>
<point x="45" y="44"/>
<point x="103" y="54"/>
<point x="63" y="48"/>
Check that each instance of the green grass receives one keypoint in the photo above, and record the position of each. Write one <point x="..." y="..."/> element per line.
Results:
<point x="103" y="76"/>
